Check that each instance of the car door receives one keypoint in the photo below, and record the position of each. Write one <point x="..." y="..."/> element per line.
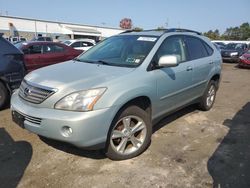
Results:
<point x="200" y="53"/>
<point x="173" y="83"/>
<point x="32" y="56"/>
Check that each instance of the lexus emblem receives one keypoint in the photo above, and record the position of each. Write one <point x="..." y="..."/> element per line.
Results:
<point x="27" y="91"/>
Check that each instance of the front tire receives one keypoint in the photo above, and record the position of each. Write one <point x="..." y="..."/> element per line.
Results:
<point x="208" y="98"/>
<point x="4" y="95"/>
<point x="130" y="134"/>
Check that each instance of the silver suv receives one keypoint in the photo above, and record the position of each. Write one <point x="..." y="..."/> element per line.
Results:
<point x="110" y="96"/>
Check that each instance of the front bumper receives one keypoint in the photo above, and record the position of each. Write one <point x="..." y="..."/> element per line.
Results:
<point x="231" y="59"/>
<point x="89" y="129"/>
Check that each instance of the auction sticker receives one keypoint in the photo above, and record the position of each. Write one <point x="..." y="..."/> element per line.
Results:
<point x="149" y="39"/>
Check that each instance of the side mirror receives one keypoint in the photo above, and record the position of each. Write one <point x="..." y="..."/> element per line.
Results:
<point x="168" y="61"/>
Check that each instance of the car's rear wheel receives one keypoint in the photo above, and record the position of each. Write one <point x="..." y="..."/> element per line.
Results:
<point x="130" y="134"/>
<point x="208" y="98"/>
<point x="4" y="95"/>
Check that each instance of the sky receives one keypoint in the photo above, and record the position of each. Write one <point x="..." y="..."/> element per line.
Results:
<point x="200" y="15"/>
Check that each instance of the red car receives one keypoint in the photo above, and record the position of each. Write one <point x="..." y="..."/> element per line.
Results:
<point x="40" y="54"/>
<point x="245" y="60"/>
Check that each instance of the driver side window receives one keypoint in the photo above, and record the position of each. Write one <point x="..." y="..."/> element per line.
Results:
<point x="173" y="45"/>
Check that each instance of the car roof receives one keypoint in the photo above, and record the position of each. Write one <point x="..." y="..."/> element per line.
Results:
<point x="79" y="40"/>
<point x="39" y="42"/>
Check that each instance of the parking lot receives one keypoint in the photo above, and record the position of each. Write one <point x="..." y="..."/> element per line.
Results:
<point x="190" y="148"/>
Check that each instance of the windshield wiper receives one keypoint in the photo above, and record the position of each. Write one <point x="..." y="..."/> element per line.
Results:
<point x="76" y="59"/>
<point x="104" y="62"/>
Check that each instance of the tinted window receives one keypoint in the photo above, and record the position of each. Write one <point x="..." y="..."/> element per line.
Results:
<point x="172" y="46"/>
<point x="86" y="44"/>
<point x="58" y="48"/>
<point x="209" y="49"/>
<point x="76" y="44"/>
<point x="196" y="48"/>
<point x="34" y="49"/>
<point x="52" y="48"/>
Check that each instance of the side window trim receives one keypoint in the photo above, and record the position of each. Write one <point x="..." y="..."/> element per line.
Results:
<point x="206" y="47"/>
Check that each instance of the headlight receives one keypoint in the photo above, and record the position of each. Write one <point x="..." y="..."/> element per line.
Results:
<point x="243" y="57"/>
<point x="234" y="53"/>
<point x="81" y="100"/>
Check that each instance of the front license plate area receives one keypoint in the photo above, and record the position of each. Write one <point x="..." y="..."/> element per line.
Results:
<point x="18" y="118"/>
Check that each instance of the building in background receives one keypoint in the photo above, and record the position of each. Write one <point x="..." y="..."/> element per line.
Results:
<point x="29" y="28"/>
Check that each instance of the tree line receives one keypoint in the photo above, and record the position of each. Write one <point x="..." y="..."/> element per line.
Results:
<point x="232" y="33"/>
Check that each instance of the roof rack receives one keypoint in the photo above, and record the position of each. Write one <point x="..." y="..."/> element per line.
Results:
<point x="131" y="30"/>
<point x="164" y="30"/>
<point x="181" y="30"/>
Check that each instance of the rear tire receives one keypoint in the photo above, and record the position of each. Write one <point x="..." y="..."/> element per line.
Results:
<point x="4" y="96"/>
<point x="130" y="134"/>
<point x="208" y="98"/>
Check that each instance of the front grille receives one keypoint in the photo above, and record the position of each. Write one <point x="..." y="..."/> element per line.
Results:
<point x="34" y="94"/>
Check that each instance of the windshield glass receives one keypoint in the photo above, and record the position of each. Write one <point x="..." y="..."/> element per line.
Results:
<point x="234" y="46"/>
<point x="122" y="50"/>
<point x="19" y="45"/>
<point x="67" y="42"/>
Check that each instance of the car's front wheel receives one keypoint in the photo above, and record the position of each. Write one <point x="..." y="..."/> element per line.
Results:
<point x="130" y="134"/>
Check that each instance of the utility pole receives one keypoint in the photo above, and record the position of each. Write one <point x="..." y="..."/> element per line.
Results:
<point x="167" y="23"/>
<point x="35" y="30"/>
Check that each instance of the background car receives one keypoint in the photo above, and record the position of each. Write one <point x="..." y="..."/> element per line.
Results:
<point x="81" y="44"/>
<point x="245" y="60"/>
<point x="220" y="44"/>
<point x="40" y="54"/>
<point x="15" y="40"/>
<point x="12" y="70"/>
<point x="41" y="38"/>
<point x="233" y="51"/>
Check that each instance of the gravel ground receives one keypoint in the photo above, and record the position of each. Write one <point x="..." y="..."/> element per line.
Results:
<point x="189" y="149"/>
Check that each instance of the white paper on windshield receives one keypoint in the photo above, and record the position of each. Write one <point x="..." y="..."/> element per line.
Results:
<point x="149" y="39"/>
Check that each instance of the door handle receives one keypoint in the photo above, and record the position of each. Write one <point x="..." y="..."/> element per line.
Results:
<point x="189" y="68"/>
<point x="211" y="62"/>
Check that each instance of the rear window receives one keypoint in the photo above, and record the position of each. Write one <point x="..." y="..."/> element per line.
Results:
<point x="52" y="48"/>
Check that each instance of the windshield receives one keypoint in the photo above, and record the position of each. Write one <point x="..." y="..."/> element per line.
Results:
<point x="121" y="50"/>
<point x="67" y="42"/>
<point x="234" y="46"/>
<point x="19" y="45"/>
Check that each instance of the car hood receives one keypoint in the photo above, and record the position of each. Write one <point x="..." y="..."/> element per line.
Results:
<point x="246" y="55"/>
<point x="73" y="75"/>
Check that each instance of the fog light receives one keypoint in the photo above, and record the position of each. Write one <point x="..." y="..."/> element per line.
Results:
<point x="66" y="131"/>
